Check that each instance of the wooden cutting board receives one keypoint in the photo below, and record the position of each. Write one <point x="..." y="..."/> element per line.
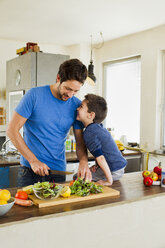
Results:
<point x="107" y="192"/>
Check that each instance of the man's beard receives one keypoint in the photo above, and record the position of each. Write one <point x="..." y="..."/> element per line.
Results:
<point x="61" y="95"/>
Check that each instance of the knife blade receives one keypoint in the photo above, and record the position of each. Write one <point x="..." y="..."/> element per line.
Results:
<point x="60" y="172"/>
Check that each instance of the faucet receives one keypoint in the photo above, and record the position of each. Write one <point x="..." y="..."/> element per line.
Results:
<point x="3" y="150"/>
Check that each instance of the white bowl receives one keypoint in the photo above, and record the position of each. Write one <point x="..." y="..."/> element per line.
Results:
<point x="156" y="183"/>
<point x="6" y="207"/>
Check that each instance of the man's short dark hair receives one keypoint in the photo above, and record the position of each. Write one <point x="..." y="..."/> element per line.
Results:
<point x="72" y="69"/>
<point x="98" y="105"/>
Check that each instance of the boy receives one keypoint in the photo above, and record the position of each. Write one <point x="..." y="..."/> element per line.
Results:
<point x="110" y="163"/>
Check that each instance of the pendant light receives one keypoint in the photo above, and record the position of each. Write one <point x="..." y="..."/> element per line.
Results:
<point x="91" y="67"/>
<point x="91" y="79"/>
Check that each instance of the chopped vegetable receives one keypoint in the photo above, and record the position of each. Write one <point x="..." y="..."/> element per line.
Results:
<point x="21" y="195"/>
<point x="46" y="190"/>
<point x="71" y="182"/>
<point x="28" y="189"/>
<point x="65" y="192"/>
<point x="25" y="203"/>
<point x="84" y="188"/>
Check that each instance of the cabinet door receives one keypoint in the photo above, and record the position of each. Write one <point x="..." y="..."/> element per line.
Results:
<point x="47" y="67"/>
<point x="134" y="163"/>
<point x="21" y="72"/>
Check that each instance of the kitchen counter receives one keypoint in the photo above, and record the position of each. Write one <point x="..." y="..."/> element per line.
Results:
<point x="70" y="157"/>
<point x="130" y="186"/>
<point x="9" y="161"/>
<point x="133" y="219"/>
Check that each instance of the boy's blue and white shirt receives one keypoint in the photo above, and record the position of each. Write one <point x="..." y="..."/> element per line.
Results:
<point x="100" y="142"/>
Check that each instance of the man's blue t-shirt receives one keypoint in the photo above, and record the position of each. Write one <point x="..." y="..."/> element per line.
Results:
<point x="100" y="142"/>
<point x="48" y="122"/>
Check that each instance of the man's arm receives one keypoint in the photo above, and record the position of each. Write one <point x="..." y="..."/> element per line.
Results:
<point x="83" y="170"/>
<point x="104" y="166"/>
<point x="13" y="133"/>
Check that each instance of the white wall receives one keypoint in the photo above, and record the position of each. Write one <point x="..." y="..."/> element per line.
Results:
<point x="149" y="44"/>
<point x="82" y="52"/>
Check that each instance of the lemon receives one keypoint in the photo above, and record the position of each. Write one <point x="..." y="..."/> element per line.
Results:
<point x="119" y="145"/>
<point x="28" y="189"/>
<point x="66" y="191"/>
<point x="3" y="202"/>
<point x="5" y="195"/>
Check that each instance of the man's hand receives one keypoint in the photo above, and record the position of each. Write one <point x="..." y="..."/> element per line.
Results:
<point x="40" y="168"/>
<point x="84" y="171"/>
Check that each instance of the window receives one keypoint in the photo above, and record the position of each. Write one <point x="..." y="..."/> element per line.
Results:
<point x="163" y="107"/>
<point x="122" y="92"/>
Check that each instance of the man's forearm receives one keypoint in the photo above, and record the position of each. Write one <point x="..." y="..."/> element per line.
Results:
<point x="37" y="166"/>
<point x="21" y="146"/>
<point x="83" y="170"/>
<point x="82" y="154"/>
<point x="13" y="133"/>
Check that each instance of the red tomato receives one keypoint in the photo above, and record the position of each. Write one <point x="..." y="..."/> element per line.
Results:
<point x="21" y="195"/>
<point x="158" y="170"/>
<point x="148" y="181"/>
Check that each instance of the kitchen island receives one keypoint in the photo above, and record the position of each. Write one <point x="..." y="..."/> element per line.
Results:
<point x="137" y="214"/>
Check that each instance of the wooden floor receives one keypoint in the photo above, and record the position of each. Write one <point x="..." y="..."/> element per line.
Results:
<point x="130" y="186"/>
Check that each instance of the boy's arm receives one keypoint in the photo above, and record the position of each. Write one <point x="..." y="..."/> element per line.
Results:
<point x="104" y="166"/>
<point x="83" y="170"/>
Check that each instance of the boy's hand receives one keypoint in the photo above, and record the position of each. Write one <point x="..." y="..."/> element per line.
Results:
<point x="94" y="168"/>
<point x="104" y="183"/>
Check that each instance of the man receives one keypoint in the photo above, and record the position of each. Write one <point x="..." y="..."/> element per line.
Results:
<point x="47" y="113"/>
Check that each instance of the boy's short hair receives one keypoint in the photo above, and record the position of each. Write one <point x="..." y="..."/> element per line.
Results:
<point x="72" y="69"/>
<point x="98" y="105"/>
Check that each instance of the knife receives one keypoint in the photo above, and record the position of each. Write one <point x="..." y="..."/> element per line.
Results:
<point x="52" y="172"/>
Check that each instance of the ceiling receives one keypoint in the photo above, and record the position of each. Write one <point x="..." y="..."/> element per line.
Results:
<point x="68" y="22"/>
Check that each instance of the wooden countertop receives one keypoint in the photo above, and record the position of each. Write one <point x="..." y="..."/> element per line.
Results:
<point x="12" y="160"/>
<point x="130" y="186"/>
<point x="70" y="157"/>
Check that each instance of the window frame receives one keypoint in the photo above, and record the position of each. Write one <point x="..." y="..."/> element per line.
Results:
<point x="162" y="133"/>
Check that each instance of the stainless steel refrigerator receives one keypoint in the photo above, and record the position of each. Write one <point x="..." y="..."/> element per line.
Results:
<point x="27" y="71"/>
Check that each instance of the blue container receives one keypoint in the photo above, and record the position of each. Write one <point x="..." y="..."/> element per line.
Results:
<point x="163" y="179"/>
<point x="4" y="177"/>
